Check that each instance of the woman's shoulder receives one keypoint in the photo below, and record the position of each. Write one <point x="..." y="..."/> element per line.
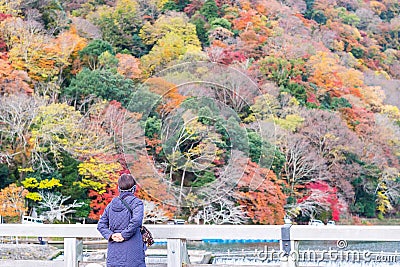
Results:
<point x="135" y="200"/>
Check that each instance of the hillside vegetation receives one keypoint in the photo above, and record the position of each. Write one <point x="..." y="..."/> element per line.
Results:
<point x="235" y="112"/>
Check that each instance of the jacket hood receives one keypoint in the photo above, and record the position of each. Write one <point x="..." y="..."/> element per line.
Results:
<point x="117" y="204"/>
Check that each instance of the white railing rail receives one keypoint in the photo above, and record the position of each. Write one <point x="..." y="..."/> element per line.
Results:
<point x="177" y="235"/>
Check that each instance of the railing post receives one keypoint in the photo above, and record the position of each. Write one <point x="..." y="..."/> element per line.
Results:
<point x="73" y="248"/>
<point x="288" y="257"/>
<point x="176" y="252"/>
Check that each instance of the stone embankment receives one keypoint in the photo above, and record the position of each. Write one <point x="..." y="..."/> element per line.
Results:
<point x="27" y="252"/>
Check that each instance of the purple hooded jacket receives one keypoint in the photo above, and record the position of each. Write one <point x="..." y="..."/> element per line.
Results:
<point x="118" y="219"/>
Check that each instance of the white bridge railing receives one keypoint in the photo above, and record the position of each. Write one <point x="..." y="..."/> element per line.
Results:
<point x="177" y="235"/>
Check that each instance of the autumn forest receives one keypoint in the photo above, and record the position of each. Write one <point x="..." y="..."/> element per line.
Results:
<point x="226" y="112"/>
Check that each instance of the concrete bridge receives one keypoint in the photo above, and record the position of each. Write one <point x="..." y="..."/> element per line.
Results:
<point x="177" y="235"/>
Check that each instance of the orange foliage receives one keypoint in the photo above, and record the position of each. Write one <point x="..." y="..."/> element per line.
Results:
<point x="252" y="18"/>
<point x="355" y="91"/>
<point x="308" y="23"/>
<point x="70" y="43"/>
<point x="250" y="44"/>
<point x="159" y="85"/>
<point x="12" y="201"/>
<point x="100" y="201"/>
<point x="263" y="205"/>
<point x="358" y="119"/>
<point x="169" y="92"/>
<point x="152" y="188"/>
<point x="128" y="66"/>
<point x="168" y="209"/>
<point x="219" y="44"/>
<point x="330" y="76"/>
<point x="377" y="7"/>
<point x="12" y="81"/>
<point x="154" y="144"/>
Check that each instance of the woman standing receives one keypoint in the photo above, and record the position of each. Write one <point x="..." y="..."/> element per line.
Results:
<point x="121" y="227"/>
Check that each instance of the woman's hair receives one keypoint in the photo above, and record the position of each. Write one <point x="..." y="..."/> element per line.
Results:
<point x="126" y="182"/>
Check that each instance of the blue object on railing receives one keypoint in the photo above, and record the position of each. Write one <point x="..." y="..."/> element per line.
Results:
<point x="240" y="240"/>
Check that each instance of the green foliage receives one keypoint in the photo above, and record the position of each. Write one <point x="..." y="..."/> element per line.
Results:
<point x="281" y="70"/>
<point x="143" y="101"/>
<point x="139" y="49"/>
<point x="206" y="178"/>
<point x="364" y="187"/>
<point x="175" y="5"/>
<point x="91" y="53"/>
<point x="171" y="5"/>
<point x="364" y="206"/>
<point x="264" y="153"/>
<point x="358" y="52"/>
<point x="209" y="10"/>
<point x="392" y="11"/>
<point x="237" y="135"/>
<point x="220" y="22"/>
<point x="84" y="210"/>
<point x="296" y="90"/>
<point x="206" y="116"/>
<point x="201" y="30"/>
<point x="5" y="178"/>
<point x="354" y="39"/>
<point x="348" y="17"/>
<point x="198" y="103"/>
<point x="316" y="15"/>
<point x="274" y="157"/>
<point x="108" y="61"/>
<point x="52" y="13"/>
<point x="119" y="24"/>
<point x="101" y="83"/>
<point x="334" y="103"/>
<point x="153" y="127"/>
<point x="255" y="146"/>
<point x="68" y="176"/>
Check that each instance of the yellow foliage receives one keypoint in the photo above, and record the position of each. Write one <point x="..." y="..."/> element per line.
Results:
<point x="373" y="95"/>
<point x="383" y="203"/>
<point x="96" y="186"/>
<point x="338" y="45"/>
<point x="351" y="78"/>
<point x="250" y="118"/>
<point x="126" y="6"/>
<point x="10" y="7"/>
<point x="46" y="184"/>
<point x="29" y="169"/>
<point x="174" y="37"/>
<point x="377" y="7"/>
<point x="94" y="171"/>
<point x="291" y="122"/>
<point x="179" y="25"/>
<point x="31" y="50"/>
<point x="382" y="73"/>
<point x="167" y="49"/>
<point x="58" y="128"/>
<point x="66" y="46"/>
<point x="265" y="106"/>
<point x="35" y="196"/>
<point x="393" y="112"/>
<point x="30" y="182"/>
